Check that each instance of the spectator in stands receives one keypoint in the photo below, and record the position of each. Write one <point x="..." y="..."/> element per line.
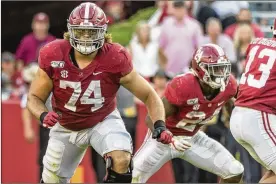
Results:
<point x="244" y="17"/>
<point x="189" y="4"/>
<point x="114" y="10"/>
<point x="242" y="38"/>
<point x="28" y="74"/>
<point x="8" y="68"/>
<point x="159" y="81"/>
<point x="12" y="82"/>
<point x="180" y="36"/>
<point x="5" y="87"/>
<point x="205" y="11"/>
<point x="190" y="7"/>
<point x="163" y="7"/>
<point x="157" y="19"/>
<point x="227" y="11"/>
<point x="144" y="51"/>
<point x="215" y="36"/>
<point x="30" y="45"/>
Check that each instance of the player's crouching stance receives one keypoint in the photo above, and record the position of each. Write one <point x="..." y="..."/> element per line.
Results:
<point x="253" y="119"/>
<point x="84" y="71"/>
<point x="190" y="101"/>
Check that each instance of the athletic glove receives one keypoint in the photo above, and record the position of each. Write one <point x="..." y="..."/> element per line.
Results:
<point x="161" y="133"/>
<point x="180" y="144"/>
<point x="49" y="119"/>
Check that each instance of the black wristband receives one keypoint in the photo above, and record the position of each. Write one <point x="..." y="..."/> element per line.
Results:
<point x="42" y="116"/>
<point x="159" y="123"/>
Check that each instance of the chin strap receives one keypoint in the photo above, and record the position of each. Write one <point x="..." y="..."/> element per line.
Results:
<point x="222" y="88"/>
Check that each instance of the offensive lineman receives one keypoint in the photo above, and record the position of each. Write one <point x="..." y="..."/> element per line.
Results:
<point x="253" y="120"/>
<point x="84" y="71"/>
<point x="190" y="101"/>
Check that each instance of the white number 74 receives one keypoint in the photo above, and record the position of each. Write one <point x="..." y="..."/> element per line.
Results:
<point x="94" y="86"/>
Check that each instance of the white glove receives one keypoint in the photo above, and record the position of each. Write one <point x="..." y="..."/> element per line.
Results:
<point x="180" y="144"/>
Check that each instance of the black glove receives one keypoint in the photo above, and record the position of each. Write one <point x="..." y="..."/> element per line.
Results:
<point x="161" y="133"/>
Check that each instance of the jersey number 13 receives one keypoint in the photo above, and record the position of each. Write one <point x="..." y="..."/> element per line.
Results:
<point x="264" y="68"/>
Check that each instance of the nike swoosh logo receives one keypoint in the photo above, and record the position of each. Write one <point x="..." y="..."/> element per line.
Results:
<point x="219" y="104"/>
<point x="97" y="73"/>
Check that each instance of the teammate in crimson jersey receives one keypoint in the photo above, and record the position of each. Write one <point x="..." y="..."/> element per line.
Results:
<point x="253" y="120"/>
<point x="190" y="101"/>
<point x="84" y="71"/>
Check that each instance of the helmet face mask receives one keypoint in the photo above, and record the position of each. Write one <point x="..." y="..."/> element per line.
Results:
<point x="86" y="39"/>
<point x="216" y="75"/>
<point x="87" y="25"/>
<point x="211" y="66"/>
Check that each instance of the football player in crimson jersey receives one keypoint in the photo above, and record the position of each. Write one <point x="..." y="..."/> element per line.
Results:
<point x="253" y="120"/>
<point x="84" y="71"/>
<point x="190" y="101"/>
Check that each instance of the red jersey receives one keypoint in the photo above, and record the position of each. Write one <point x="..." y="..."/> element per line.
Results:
<point x="257" y="89"/>
<point x="194" y="110"/>
<point x="84" y="97"/>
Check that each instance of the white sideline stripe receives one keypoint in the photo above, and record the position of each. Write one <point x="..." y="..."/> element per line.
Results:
<point x="86" y="13"/>
<point x="218" y="48"/>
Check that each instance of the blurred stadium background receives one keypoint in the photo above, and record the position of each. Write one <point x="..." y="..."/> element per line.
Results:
<point x="235" y="24"/>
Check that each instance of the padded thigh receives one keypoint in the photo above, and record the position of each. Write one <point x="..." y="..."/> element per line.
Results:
<point x="111" y="135"/>
<point x="210" y="155"/>
<point x="53" y="157"/>
<point x="52" y="162"/>
<point x="256" y="132"/>
<point x="117" y="141"/>
<point x="65" y="151"/>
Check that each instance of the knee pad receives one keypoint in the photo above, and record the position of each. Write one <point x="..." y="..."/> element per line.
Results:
<point x="228" y="165"/>
<point x="53" y="156"/>
<point x="114" y="177"/>
<point x="235" y="168"/>
<point x="49" y="177"/>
